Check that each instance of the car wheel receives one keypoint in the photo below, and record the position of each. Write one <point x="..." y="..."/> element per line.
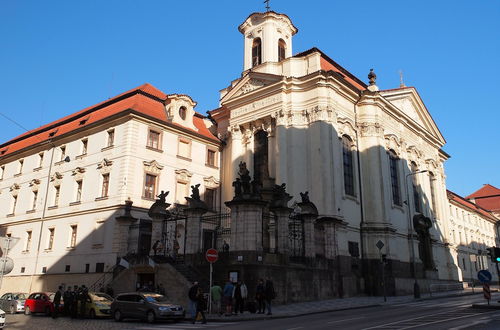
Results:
<point x="151" y="317"/>
<point x="92" y="313"/>
<point x="47" y="311"/>
<point x="27" y="311"/>
<point x="117" y="315"/>
<point x="13" y="309"/>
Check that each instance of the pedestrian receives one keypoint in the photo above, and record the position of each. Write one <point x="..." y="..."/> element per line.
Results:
<point x="201" y="306"/>
<point x="156" y="247"/>
<point x="57" y="301"/>
<point x="228" y="297"/>
<point x="84" y="296"/>
<point x="192" y="294"/>
<point x="216" y="294"/>
<point x="237" y="298"/>
<point x="68" y="300"/>
<point x="259" y="296"/>
<point x="244" y="295"/>
<point x="225" y="247"/>
<point x="74" y="302"/>
<point x="269" y="295"/>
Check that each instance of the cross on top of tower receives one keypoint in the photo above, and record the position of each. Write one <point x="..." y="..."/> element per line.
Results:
<point x="267" y="5"/>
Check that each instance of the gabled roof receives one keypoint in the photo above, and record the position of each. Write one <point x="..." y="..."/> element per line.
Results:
<point x="145" y="99"/>
<point x="468" y="204"/>
<point x="487" y="196"/>
<point x="262" y="79"/>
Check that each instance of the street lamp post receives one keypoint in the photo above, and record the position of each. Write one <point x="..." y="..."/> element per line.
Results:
<point x="42" y="218"/>
<point x="416" y="288"/>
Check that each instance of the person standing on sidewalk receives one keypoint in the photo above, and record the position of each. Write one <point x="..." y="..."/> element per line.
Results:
<point x="201" y="305"/>
<point x="68" y="301"/>
<point x="228" y="297"/>
<point x="269" y="295"/>
<point x="216" y="293"/>
<point x="192" y="294"/>
<point x="260" y="297"/>
<point x="57" y="301"/>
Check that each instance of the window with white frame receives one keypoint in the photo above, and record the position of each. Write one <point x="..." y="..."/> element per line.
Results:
<point x="40" y="159"/>
<point x="20" y="166"/>
<point x="27" y="246"/>
<point x="50" y="241"/>
<point x="211" y="157"/>
<point x="57" y="192"/>
<point x="150" y="186"/>
<point x="181" y="192"/>
<point x="105" y="185"/>
<point x="79" y="187"/>
<point x="184" y="148"/>
<point x="2" y="171"/>
<point x="111" y="138"/>
<point x="154" y="139"/>
<point x="210" y="198"/>
<point x="14" y="204"/>
<point x="35" y="198"/>
<point x="85" y="143"/>
<point x="72" y="238"/>
<point x="62" y="151"/>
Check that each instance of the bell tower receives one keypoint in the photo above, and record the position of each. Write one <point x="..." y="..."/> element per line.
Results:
<point x="267" y="38"/>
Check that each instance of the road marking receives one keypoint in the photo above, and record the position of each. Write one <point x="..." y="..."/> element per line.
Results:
<point x="355" y="318"/>
<point x="295" y="328"/>
<point x="483" y="320"/>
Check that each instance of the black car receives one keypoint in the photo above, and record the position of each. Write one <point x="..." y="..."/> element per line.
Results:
<point x="145" y="306"/>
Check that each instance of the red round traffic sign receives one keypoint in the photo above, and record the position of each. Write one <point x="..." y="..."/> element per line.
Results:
<point x="212" y="255"/>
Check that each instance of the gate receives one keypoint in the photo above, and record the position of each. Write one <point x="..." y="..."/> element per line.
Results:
<point x="296" y="235"/>
<point x="174" y="237"/>
<point x="216" y="230"/>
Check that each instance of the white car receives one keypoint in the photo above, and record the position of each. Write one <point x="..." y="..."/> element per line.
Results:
<point x="2" y="319"/>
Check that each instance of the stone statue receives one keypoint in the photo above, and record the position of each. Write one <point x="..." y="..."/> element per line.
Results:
<point x="195" y="192"/>
<point x="280" y="196"/>
<point x="372" y="77"/>
<point x="245" y="177"/>
<point x="305" y="197"/>
<point x="162" y="196"/>
<point x="237" y="188"/>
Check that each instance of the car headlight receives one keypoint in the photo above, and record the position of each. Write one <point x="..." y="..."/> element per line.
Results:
<point x="98" y="305"/>
<point x="164" y="309"/>
<point x="2" y="315"/>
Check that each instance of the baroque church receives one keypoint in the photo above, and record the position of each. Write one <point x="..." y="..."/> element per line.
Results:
<point x="305" y="174"/>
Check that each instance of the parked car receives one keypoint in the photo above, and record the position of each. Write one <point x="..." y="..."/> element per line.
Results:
<point x="98" y="305"/>
<point x="13" y="302"/>
<point x="41" y="302"/>
<point x="146" y="306"/>
<point x="2" y="319"/>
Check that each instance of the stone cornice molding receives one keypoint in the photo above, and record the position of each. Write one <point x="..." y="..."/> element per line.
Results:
<point x="104" y="166"/>
<point x="34" y="182"/>
<point x="152" y="166"/>
<point x="346" y="127"/>
<point x="413" y="154"/>
<point x="56" y="178"/>
<point x="183" y="175"/>
<point x="77" y="173"/>
<point x="320" y="113"/>
<point x="14" y="189"/>
<point x="392" y="142"/>
<point x="211" y="182"/>
<point x="371" y="129"/>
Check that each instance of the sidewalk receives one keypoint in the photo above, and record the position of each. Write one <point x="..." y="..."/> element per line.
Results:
<point x="312" y="307"/>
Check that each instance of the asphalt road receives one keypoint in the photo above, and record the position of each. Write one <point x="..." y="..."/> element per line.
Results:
<point x="445" y="313"/>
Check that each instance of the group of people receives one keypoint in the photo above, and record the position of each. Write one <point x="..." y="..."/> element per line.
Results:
<point x="233" y="298"/>
<point x="75" y="301"/>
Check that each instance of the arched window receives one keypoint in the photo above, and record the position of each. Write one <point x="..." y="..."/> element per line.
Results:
<point x="347" y="155"/>
<point x="256" y="52"/>
<point x="394" y="169"/>
<point x="416" y="194"/>
<point x="432" y="182"/>
<point x="183" y="113"/>
<point x="281" y="50"/>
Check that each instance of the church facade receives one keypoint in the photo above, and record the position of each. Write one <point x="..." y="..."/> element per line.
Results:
<point x="323" y="177"/>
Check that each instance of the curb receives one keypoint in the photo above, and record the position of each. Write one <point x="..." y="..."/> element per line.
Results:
<point x="481" y="306"/>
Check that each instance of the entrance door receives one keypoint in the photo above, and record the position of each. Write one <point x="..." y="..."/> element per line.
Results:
<point x="208" y="239"/>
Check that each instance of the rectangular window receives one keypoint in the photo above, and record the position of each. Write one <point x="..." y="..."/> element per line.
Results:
<point x="35" y="198"/>
<point x="211" y="157"/>
<point x="99" y="267"/>
<point x="74" y="230"/>
<point x="14" y="204"/>
<point x="210" y="198"/>
<point x="111" y="138"/>
<point x="57" y="191"/>
<point x="87" y="268"/>
<point x="85" y="143"/>
<point x="99" y="233"/>
<point x="79" y="186"/>
<point x="50" y="244"/>
<point x="67" y="268"/>
<point x="21" y="164"/>
<point x="105" y="185"/>
<point x="348" y="166"/>
<point x="184" y="148"/>
<point x="353" y="249"/>
<point x="154" y="139"/>
<point x="2" y="171"/>
<point x="63" y="152"/>
<point x="27" y="247"/>
<point x="181" y="193"/>
<point x="150" y="186"/>
<point x="40" y="159"/>
<point x="393" y="163"/>
<point x="23" y="269"/>
<point x="44" y="270"/>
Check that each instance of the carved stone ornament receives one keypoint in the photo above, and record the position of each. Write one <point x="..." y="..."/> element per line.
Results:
<point x="78" y="170"/>
<point x="413" y="153"/>
<point x="14" y="189"/>
<point x="247" y="136"/>
<point x="320" y="113"/>
<point x="281" y="117"/>
<point x="392" y="142"/>
<point x="250" y="86"/>
<point x="371" y="129"/>
<point x="211" y="182"/>
<point x="56" y="177"/>
<point x="183" y="175"/>
<point x="104" y="165"/>
<point x="346" y="127"/>
<point x="432" y="164"/>
<point x="34" y="183"/>
<point x="235" y="132"/>
<point x="152" y="167"/>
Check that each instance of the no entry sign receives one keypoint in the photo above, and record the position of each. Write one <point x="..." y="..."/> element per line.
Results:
<point x="212" y="255"/>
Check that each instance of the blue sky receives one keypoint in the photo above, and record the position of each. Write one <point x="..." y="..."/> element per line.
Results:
<point x="58" y="57"/>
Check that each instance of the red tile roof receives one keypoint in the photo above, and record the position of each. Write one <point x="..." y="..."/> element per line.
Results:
<point x="145" y="99"/>
<point x="468" y="204"/>
<point x="487" y="197"/>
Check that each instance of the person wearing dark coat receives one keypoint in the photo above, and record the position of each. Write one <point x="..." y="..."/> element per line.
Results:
<point x="193" y="300"/>
<point x="269" y="294"/>
<point x="201" y="305"/>
<point x="68" y="301"/>
<point x="260" y="297"/>
<point x="57" y="301"/>
<point x="83" y="297"/>
<point x="74" y="302"/>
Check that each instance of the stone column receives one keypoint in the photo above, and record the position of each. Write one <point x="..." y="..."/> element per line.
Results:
<point x="236" y="150"/>
<point x="246" y="224"/>
<point x="120" y="243"/>
<point x="194" y="229"/>
<point x="281" y="227"/>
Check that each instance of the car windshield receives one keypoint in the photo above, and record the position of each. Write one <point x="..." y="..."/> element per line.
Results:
<point x="19" y="296"/>
<point x="155" y="298"/>
<point x="100" y="297"/>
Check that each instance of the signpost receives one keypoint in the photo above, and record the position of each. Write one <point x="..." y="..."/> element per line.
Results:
<point x="484" y="277"/>
<point x="380" y="245"/>
<point x="212" y="255"/>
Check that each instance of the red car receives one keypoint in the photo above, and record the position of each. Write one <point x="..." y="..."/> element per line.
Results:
<point x="41" y="302"/>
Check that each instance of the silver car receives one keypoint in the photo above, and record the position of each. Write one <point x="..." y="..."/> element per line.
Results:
<point x="13" y="302"/>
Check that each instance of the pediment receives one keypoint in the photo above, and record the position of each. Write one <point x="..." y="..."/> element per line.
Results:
<point x="408" y="101"/>
<point x="249" y="83"/>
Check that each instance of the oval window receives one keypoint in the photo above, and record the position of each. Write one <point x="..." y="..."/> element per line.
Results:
<point x="183" y="112"/>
